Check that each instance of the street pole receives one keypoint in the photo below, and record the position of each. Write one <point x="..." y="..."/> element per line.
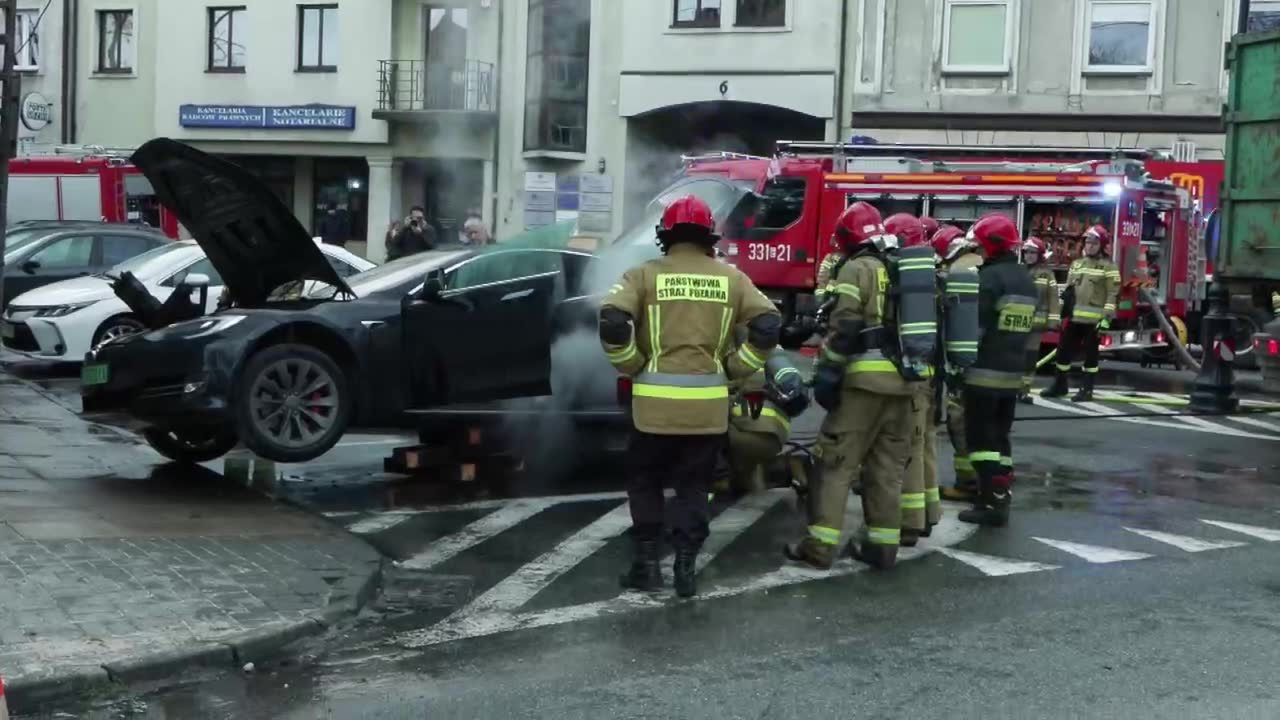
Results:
<point x="8" y="118"/>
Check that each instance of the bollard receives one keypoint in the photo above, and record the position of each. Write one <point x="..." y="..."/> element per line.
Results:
<point x="1215" y="389"/>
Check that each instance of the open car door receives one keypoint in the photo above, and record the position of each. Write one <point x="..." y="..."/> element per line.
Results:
<point x="481" y="330"/>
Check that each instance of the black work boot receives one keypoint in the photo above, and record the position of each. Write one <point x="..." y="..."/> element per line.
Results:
<point x="1058" y="388"/>
<point x="644" y="574"/>
<point x="991" y="509"/>
<point x="880" y="557"/>
<point x="1085" y="394"/>
<point x="911" y="537"/>
<point x="685" y="572"/>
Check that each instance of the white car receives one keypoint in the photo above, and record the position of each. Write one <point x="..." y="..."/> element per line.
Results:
<point x="64" y="320"/>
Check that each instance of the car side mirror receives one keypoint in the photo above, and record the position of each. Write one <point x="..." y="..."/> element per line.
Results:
<point x="195" y="280"/>
<point x="30" y="267"/>
<point x="431" y="289"/>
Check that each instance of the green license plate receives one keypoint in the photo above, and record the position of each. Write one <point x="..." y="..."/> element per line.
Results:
<point x="94" y="375"/>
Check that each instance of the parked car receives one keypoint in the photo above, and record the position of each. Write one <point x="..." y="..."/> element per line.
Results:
<point x="443" y="328"/>
<point x="64" y="320"/>
<point x="40" y="253"/>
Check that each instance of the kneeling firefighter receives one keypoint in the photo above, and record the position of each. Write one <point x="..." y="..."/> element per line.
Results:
<point x="760" y="421"/>
<point x="861" y="380"/>
<point x="921" y="505"/>
<point x="668" y="324"/>
<point x="958" y="272"/>
<point x="1007" y="300"/>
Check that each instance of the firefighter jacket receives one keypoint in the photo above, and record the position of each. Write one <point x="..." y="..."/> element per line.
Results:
<point x="1096" y="282"/>
<point x="684" y="308"/>
<point x="1048" y="303"/>
<point x="825" y="282"/>
<point x="862" y="327"/>
<point x="1006" y="312"/>
<point x="772" y="419"/>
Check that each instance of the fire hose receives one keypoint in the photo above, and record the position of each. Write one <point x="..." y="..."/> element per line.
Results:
<point x="1169" y="332"/>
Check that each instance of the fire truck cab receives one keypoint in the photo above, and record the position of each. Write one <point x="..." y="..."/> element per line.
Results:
<point x="84" y="183"/>
<point x="1053" y="193"/>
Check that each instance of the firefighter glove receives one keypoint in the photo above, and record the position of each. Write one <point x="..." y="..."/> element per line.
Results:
<point x="827" y="378"/>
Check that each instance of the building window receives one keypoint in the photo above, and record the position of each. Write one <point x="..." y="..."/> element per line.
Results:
<point x="318" y="38"/>
<point x="117" y="46"/>
<point x="226" y="39"/>
<point x="1122" y="37"/>
<point x="978" y="36"/>
<point x="697" y="13"/>
<point x="27" y="38"/>
<point x="761" y="13"/>
<point x="556" y="75"/>
<point x="1264" y="15"/>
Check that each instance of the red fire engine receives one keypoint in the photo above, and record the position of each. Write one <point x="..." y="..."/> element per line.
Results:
<point x="84" y="183"/>
<point x="1055" y="194"/>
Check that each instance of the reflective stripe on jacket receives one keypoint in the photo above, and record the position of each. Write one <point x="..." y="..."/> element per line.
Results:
<point x="824" y="281"/>
<point x="681" y="353"/>
<point x="863" y="296"/>
<point x="1007" y="301"/>
<point x="1097" y="283"/>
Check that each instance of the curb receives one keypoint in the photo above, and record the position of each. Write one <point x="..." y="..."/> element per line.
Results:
<point x="27" y="695"/>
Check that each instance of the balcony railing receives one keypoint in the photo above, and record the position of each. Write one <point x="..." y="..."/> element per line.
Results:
<point x="417" y="85"/>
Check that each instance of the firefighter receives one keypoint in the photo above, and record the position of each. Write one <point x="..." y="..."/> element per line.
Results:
<point x="1036" y="258"/>
<point x="957" y="253"/>
<point x="760" y="420"/>
<point x="669" y="325"/>
<point x="921" y="505"/>
<point x="1092" y="286"/>
<point x="1007" y="299"/>
<point x="825" y="281"/>
<point x="930" y="227"/>
<point x="868" y="402"/>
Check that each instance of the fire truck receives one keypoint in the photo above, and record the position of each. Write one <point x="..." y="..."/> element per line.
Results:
<point x="84" y="183"/>
<point x="1053" y="193"/>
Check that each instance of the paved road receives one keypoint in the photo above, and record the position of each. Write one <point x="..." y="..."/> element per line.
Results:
<point x="1139" y="578"/>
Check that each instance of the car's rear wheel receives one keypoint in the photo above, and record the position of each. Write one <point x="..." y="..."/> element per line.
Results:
<point x="191" y="445"/>
<point x="293" y="403"/>
<point x="117" y="327"/>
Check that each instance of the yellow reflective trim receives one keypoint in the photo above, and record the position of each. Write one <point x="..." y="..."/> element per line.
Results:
<point x="766" y="412"/>
<point x="623" y="355"/>
<point x="824" y="535"/>
<point x="848" y="290"/>
<point x="668" y="392"/>
<point x="725" y="325"/>
<point x="1088" y="315"/>
<point x="962" y="463"/>
<point x="1062" y="368"/>
<point x="1090" y="370"/>
<point x="962" y="344"/>
<point x="749" y="357"/>
<point x="655" y="330"/>
<point x="931" y="496"/>
<point x="984" y="456"/>
<point x="616" y="287"/>
<point x="884" y="536"/>
<point x="859" y="366"/>
<point x="920" y="328"/>
<point x="1006" y="461"/>
<point x="913" y="501"/>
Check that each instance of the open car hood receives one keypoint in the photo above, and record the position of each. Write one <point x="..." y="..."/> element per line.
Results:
<point x="252" y="239"/>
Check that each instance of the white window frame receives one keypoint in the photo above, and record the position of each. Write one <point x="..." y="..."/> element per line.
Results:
<point x="1010" y="21"/>
<point x="27" y="31"/>
<point x="1153" y="38"/>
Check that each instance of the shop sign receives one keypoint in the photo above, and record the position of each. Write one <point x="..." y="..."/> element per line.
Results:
<point x="36" y="111"/>
<point x="271" y="117"/>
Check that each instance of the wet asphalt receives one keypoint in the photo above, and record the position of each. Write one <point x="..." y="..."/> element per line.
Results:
<point x="1010" y="626"/>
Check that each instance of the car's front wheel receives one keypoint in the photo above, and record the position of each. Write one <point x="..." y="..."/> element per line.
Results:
<point x="189" y="445"/>
<point x="293" y="403"/>
<point x="117" y="327"/>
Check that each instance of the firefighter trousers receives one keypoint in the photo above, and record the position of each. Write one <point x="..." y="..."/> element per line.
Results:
<point x="871" y="430"/>
<point x="1028" y="377"/>
<point x="686" y="464"/>
<point x="966" y="477"/>
<point x="749" y="455"/>
<point x="991" y="414"/>
<point x="1078" y="338"/>
<point x="921" y="505"/>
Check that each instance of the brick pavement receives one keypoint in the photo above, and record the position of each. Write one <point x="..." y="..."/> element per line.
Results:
<point x="109" y="554"/>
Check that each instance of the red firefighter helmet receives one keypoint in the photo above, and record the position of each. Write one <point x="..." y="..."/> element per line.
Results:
<point x="995" y="234"/>
<point x="907" y="228"/>
<point x="942" y="240"/>
<point x="930" y="227"/>
<point x="860" y="224"/>
<point x="1100" y="232"/>
<point x="688" y="213"/>
<point x="1038" y="246"/>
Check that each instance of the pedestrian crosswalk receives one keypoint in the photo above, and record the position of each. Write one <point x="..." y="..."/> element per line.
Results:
<point x="752" y="527"/>
<point x="1166" y="411"/>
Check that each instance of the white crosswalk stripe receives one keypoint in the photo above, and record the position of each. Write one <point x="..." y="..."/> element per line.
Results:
<point x="1252" y="530"/>
<point x="376" y="523"/>
<point x="1183" y="542"/>
<point x="1113" y="406"/>
<point x="477" y="532"/>
<point x="1093" y="553"/>
<point x="994" y="565"/>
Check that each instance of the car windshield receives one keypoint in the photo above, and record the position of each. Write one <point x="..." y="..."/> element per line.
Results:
<point x="722" y="196"/>
<point x="156" y="261"/>
<point x="406" y="270"/>
<point x="15" y="241"/>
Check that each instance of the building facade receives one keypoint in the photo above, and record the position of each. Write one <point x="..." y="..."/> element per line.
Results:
<point x="526" y="112"/>
<point x="39" y="45"/>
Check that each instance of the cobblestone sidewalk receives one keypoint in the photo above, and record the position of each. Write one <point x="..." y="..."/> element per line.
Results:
<point x="117" y="565"/>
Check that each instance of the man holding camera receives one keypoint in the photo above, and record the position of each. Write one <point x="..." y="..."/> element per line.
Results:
<point x="415" y="236"/>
